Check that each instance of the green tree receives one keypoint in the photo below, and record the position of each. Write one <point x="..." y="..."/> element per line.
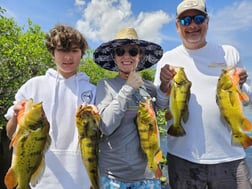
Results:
<point x="94" y="71"/>
<point x="22" y="56"/>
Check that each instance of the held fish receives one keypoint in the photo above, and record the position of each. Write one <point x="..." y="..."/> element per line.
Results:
<point x="88" y="123"/>
<point x="230" y="101"/>
<point x="149" y="135"/>
<point x="30" y="143"/>
<point x="179" y="98"/>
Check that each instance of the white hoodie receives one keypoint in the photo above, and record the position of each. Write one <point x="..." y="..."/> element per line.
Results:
<point x="60" y="97"/>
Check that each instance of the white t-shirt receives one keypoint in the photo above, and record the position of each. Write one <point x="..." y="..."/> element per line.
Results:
<point x="60" y="97"/>
<point x="207" y="139"/>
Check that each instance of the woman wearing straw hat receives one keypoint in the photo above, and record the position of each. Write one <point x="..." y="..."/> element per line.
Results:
<point x="122" y="162"/>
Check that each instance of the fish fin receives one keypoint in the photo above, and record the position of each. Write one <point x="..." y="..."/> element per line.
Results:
<point x="246" y="125"/>
<point x="10" y="179"/>
<point x="176" y="131"/>
<point x="235" y="78"/>
<point x="243" y="96"/>
<point x="48" y="143"/>
<point x="13" y="140"/>
<point x="38" y="173"/>
<point x="18" y="136"/>
<point x="168" y="115"/>
<point x="241" y="139"/>
<point x="186" y="115"/>
<point x="158" y="156"/>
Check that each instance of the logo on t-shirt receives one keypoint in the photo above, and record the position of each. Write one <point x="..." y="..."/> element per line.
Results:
<point x="87" y="96"/>
<point x="217" y="65"/>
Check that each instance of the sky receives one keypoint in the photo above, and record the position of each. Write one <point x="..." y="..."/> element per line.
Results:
<point x="154" y="20"/>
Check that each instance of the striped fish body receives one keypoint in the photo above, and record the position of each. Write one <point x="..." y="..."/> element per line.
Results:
<point x="149" y="135"/>
<point x="88" y="123"/>
<point x="229" y="99"/>
<point x="30" y="143"/>
<point x="179" y="98"/>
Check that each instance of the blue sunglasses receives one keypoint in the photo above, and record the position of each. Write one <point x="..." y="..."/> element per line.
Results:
<point x="187" y="20"/>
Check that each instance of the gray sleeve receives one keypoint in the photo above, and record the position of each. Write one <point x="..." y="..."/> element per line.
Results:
<point x="111" y="105"/>
<point x="162" y="100"/>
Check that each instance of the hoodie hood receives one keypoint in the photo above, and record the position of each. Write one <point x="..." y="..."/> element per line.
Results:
<point x="78" y="76"/>
<point x="65" y="93"/>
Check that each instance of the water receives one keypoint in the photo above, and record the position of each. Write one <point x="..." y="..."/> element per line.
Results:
<point x="248" y="114"/>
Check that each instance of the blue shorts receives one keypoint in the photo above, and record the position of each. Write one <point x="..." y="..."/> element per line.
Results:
<point x="107" y="183"/>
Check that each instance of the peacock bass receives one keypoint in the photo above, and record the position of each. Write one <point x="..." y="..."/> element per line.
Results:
<point x="230" y="101"/>
<point x="30" y="143"/>
<point x="88" y="123"/>
<point x="179" y="99"/>
<point x="149" y="135"/>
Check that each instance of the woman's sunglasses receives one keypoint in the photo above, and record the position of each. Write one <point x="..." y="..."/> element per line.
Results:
<point x="133" y="51"/>
<point x="187" y="20"/>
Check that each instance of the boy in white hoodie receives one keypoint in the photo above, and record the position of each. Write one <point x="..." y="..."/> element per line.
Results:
<point x="61" y="91"/>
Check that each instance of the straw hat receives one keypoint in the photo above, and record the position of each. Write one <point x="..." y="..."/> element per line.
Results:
<point x="103" y="55"/>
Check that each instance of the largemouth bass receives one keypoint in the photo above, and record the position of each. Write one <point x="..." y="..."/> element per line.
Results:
<point x="30" y="143"/>
<point x="230" y="101"/>
<point x="149" y="135"/>
<point x="88" y="123"/>
<point x="179" y="98"/>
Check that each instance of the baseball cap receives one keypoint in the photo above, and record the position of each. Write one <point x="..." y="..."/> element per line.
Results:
<point x="191" y="5"/>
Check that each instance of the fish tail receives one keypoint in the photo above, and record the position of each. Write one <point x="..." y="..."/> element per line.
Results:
<point x="158" y="157"/>
<point x="10" y="179"/>
<point x="155" y="168"/>
<point x="241" y="139"/>
<point x="176" y="131"/>
<point x="158" y="172"/>
<point x="95" y="184"/>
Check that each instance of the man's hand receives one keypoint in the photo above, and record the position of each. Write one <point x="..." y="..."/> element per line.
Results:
<point x="166" y="75"/>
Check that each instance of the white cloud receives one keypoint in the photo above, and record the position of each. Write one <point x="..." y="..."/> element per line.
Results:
<point x="233" y="25"/>
<point x="101" y="19"/>
<point x="149" y="25"/>
<point x="79" y="3"/>
<point x="232" y="18"/>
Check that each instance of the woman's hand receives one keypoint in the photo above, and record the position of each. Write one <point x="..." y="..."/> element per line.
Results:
<point x="134" y="80"/>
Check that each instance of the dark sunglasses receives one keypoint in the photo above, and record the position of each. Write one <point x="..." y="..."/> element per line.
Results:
<point x="187" y="20"/>
<point x="121" y="51"/>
